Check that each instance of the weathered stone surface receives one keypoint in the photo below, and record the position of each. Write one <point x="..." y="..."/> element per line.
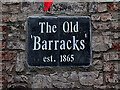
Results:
<point x="22" y="17"/>
<point x="58" y="77"/>
<point x="20" y="62"/>
<point x="93" y="7"/>
<point x="8" y="55"/>
<point x="99" y="55"/>
<point x="95" y="17"/>
<point x="111" y="56"/>
<point x="74" y="76"/>
<point x="27" y="7"/>
<point x="4" y="8"/>
<point x="116" y="35"/>
<point x="90" y="78"/>
<point x="23" y="36"/>
<point x="13" y="18"/>
<point x="69" y="8"/>
<point x="63" y="85"/>
<point x="17" y="35"/>
<point x="65" y="74"/>
<point x="108" y="66"/>
<point x="21" y="78"/>
<point x="14" y="36"/>
<point x="99" y="80"/>
<point x="16" y="45"/>
<point x="106" y="17"/>
<point x="115" y="25"/>
<point x="102" y="7"/>
<point x="3" y="36"/>
<point x="41" y="81"/>
<point x="117" y="67"/>
<point x="14" y="8"/>
<point x="111" y="78"/>
<point x="100" y="87"/>
<point x="2" y="45"/>
<point x="98" y="64"/>
<point x="60" y="81"/>
<point x="10" y="78"/>
<point x="101" y="25"/>
<point x="38" y="7"/>
<point x="2" y="66"/>
<point x="99" y="43"/>
<point x="9" y="67"/>
<point x="102" y="17"/>
<point x="8" y="18"/>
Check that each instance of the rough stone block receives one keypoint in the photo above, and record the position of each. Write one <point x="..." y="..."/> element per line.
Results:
<point x="68" y="8"/>
<point x="74" y="76"/>
<point x="95" y="17"/>
<point x="2" y="45"/>
<point x="3" y="36"/>
<point x="98" y="64"/>
<point x="21" y="78"/>
<point x="106" y="17"/>
<point x="117" y="67"/>
<point x="93" y="7"/>
<point x="101" y="25"/>
<point x="4" y="8"/>
<point x="7" y="55"/>
<point x="111" y="56"/>
<point x="6" y="18"/>
<point x="99" y="55"/>
<point x="14" y="9"/>
<point x="111" y="78"/>
<point x="14" y="36"/>
<point x="20" y="62"/>
<point x="90" y="78"/>
<point x="27" y="7"/>
<point x="102" y="7"/>
<point x="2" y="66"/>
<point x="41" y="81"/>
<point x="108" y="66"/>
<point x="9" y="67"/>
<point x="99" y="43"/>
<point x="16" y="45"/>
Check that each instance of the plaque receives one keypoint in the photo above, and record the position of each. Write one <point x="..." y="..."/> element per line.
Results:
<point x="59" y="41"/>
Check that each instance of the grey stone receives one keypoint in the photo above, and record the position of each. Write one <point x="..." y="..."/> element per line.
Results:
<point x="27" y="7"/>
<point x="63" y="85"/>
<point x="102" y="7"/>
<point x="101" y="25"/>
<point x="58" y="77"/>
<point x="108" y="66"/>
<point x="41" y="81"/>
<point x="74" y="76"/>
<point x="21" y="78"/>
<point x="111" y="78"/>
<point x="65" y="74"/>
<point x="88" y="78"/>
<point x="14" y="36"/>
<point x="20" y="62"/>
<point x="98" y="64"/>
<point x="69" y="8"/>
<point x="99" y="44"/>
<point x="99" y="80"/>
<point x="93" y="6"/>
<point x="97" y="55"/>
<point x="95" y="17"/>
<point x="111" y="56"/>
<point x="16" y="45"/>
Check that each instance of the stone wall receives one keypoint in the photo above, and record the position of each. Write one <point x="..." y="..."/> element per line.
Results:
<point x="103" y="73"/>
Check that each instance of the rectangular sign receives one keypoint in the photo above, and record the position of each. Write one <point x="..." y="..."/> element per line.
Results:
<point x="59" y="41"/>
